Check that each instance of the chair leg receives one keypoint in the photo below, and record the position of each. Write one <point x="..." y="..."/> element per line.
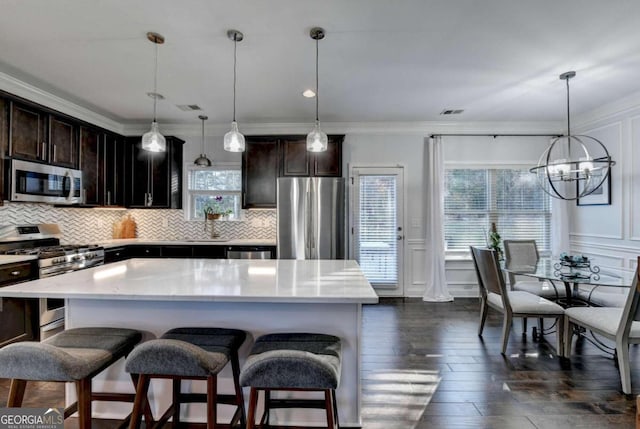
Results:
<point x="83" y="389"/>
<point x="506" y="328"/>
<point x="16" y="393"/>
<point x="328" y="405"/>
<point x="559" y="335"/>
<point x="335" y="408"/>
<point x="176" y="403"/>
<point x="484" y="307"/>
<point x="140" y="402"/>
<point x="622" y="351"/>
<point x="524" y="326"/>
<point x="235" y="366"/>
<point x="253" y="404"/>
<point x="567" y="337"/>
<point x="212" y="401"/>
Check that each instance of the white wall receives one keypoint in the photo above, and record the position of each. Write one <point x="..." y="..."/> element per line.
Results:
<point x="610" y="234"/>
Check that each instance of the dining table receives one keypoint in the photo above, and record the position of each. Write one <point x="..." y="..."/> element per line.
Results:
<point x="571" y="277"/>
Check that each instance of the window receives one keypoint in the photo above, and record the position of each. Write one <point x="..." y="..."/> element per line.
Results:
<point x="474" y="198"/>
<point x="205" y="184"/>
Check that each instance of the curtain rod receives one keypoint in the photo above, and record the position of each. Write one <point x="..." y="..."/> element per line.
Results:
<point x="494" y="135"/>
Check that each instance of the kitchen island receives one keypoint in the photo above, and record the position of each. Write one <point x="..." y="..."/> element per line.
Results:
<point x="258" y="296"/>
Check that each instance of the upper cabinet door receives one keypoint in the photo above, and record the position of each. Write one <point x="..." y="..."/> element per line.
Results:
<point x="260" y="166"/>
<point x="27" y="138"/>
<point x="92" y="165"/>
<point x="114" y="174"/>
<point x="62" y="142"/>
<point x="329" y="163"/>
<point x="295" y="157"/>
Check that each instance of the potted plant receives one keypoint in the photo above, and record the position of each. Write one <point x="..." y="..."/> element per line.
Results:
<point x="214" y="209"/>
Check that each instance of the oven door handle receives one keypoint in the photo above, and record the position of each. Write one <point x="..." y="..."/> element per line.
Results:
<point x="68" y="176"/>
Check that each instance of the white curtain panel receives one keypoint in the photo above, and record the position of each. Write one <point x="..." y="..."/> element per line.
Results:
<point x="436" y="289"/>
<point x="559" y="226"/>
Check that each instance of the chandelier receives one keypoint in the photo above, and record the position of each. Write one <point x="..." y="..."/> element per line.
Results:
<point x="573" y="166"/>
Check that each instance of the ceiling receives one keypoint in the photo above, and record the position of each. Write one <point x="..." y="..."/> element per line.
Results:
<point x="402" y="60"/>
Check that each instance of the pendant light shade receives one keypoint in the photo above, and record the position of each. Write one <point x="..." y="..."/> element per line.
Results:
<point x="234" y="140"/>
<point x="573" y="166"/>
<point x="202" y="160"/>
<point x="317" y="141"/>
<point x="152" y="140"/>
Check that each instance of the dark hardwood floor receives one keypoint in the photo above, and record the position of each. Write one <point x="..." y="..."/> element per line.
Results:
<point x="425" y="367"/>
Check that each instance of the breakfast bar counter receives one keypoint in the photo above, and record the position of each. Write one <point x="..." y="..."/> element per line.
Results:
<point x="258" y="296"/>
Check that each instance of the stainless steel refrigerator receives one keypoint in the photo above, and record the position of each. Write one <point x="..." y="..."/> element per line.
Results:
<point x="311" y="218"/>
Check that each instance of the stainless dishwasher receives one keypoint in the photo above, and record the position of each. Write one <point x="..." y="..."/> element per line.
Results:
<point x="250" y="252"/>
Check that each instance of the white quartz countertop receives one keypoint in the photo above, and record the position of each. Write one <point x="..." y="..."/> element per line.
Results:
<point x="216" y="241"/>
<point x="222" y="280"/>
<point x="11" y="259"/>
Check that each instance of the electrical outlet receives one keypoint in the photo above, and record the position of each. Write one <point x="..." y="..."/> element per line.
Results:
<point x="165" y="222"/>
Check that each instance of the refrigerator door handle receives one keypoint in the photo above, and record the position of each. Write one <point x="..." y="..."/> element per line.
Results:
<point x="308" y="232"/>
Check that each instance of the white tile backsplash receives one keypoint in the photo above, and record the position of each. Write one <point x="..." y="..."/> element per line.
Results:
<point x="94" y="225"/>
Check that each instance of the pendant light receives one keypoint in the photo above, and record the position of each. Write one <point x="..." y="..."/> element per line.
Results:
<point x="317" y="141"/>
<point x="202" y="160"/>
<point x="153" y="141"/>
<point x="233" y="140"/>
<point x="573" y="166"/>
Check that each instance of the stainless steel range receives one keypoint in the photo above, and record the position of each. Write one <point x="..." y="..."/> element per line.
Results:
<point x="43" y="241"/>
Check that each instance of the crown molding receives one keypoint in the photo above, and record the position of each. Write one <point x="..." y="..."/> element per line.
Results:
<point x="27" y="91"/>
<point x="382" y="128"/>
<point x="627" y="105"/>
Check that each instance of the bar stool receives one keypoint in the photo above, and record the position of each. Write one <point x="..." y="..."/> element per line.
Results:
<point x="188" y="354"/>
<point x="293" y="362"/>
<point x="75" y="355"/>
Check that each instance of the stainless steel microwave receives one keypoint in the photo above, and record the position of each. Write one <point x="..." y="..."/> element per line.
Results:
<point x="42" y="183"/>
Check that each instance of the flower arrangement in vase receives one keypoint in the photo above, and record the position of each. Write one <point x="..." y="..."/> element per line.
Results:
<point x="495" y="241"/>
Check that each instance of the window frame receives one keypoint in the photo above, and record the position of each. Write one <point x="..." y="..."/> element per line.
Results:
<point x="493" y="213"/>
<point x="188" y="200"/>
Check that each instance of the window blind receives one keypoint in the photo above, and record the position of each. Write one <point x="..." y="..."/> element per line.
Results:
<point x="378" y="246"/>
<point x="474" y="198"/>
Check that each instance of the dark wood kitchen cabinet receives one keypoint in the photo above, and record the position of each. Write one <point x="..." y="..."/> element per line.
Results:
<point x="268" y="157"/>
<point x="91" y="165"/>
<point x="298" y="162"/>
<point x="114" y="154"/>
<point x="260" y="167"/>
<point x="36" y="135"/>
<point x="63" y="144"/>
<point x="18" y="316"/>
<point x="154" y="179"/>
<point x="28" y="132"/>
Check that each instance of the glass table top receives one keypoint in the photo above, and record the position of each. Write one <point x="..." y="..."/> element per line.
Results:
<point x="550" y="269"/>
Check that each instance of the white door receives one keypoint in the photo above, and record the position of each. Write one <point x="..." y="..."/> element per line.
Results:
<point x="377" y="226"/>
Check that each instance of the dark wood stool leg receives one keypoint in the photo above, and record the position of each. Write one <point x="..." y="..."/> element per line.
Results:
<point x="148" y="415"/>
<point x="328" y="405"/>
<point x="140" y="403"/>
<point x="83" y="389"/>
<point x="16" y="393"/>
<point x="212" y="401"/>
<point x="235" y="366"/>
<point x="267" y="408"/>
<point x="253" y="404"/>
<point x="176" y="402"/>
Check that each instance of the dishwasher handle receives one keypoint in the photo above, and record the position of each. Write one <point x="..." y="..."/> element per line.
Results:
<point x="249" y="253"/>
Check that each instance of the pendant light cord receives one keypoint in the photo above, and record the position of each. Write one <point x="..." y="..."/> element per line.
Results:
<point x="203" y="136"/>
<point x="155" y="85"/>
<point x="317" y="93"/>
<point x="235" y="60"/>
<point x="568" y="112"/>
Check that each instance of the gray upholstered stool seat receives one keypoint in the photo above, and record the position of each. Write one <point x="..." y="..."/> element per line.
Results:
<point x="293" y="361"/>
<point x="192" y="354"/>
<point x="74" y="355"/>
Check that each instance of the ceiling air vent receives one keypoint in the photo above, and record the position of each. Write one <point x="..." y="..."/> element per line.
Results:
<point x="188" y="107"/>
<point x="451" y="111"/>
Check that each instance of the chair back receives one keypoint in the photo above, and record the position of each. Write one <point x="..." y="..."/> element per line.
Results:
<point x="631" y="312"/>
<point x="520" y="252"/>
<point x="489" y="273"/>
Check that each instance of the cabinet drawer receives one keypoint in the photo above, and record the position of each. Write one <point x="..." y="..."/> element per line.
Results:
<point x="15" y="273"/>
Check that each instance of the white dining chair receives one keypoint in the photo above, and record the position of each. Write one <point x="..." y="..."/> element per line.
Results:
<point x="525" y="253"/>
<point x="620" y="325"/>
<point x="494" y="294"/>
